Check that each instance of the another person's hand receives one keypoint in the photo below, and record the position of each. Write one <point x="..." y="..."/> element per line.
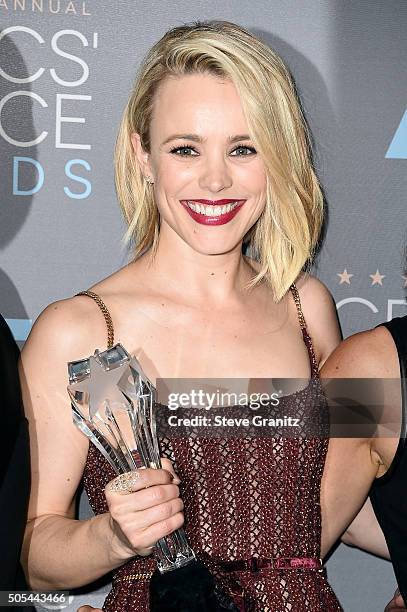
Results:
<point x="396" y="604"/>
<point x="144" y="506"/>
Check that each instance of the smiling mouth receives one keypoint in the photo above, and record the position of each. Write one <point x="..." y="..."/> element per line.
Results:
<point x="212" y="209"/>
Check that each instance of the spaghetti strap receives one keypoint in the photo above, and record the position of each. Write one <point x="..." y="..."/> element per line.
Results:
<point x="307" y="338"/>
<point x="105" y="312"/>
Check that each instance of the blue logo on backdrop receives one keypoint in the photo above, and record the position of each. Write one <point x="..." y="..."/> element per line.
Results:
<point x="398" y="146"/>
<point x="20" y="328"/>
<point x="66" y="108"/>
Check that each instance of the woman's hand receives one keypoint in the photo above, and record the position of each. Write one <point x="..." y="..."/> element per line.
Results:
<point x="144" y="506"/>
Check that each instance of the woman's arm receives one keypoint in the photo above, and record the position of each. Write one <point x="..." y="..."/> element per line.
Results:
<point x="352" y="463"/>
<point x="320" y="315"/>
<point x="365" y="532"/>
<point x="58" y="551"/>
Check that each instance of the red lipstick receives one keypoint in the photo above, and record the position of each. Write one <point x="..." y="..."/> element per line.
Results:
<point x="219" y="219"/>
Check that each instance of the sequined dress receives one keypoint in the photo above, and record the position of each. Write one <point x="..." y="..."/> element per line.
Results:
<point x="244" y="498"/>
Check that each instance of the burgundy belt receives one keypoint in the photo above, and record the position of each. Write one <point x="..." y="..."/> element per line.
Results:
<point x="257" y="563"/>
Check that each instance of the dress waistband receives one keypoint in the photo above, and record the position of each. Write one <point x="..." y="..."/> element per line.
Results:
<point x="254" y="564"/>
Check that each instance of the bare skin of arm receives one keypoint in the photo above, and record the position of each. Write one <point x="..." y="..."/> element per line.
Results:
<point x="320" y="316"/>
<point x="58" y="551"/>
<point x="364" y="532"/>
<point x="353" y="463"/>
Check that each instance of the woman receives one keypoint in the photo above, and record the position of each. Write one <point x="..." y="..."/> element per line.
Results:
<point x="212" y="154"/>
<point x="352" y="463"/>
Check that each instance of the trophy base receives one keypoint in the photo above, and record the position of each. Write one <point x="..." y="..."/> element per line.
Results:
<point x="189" y="589"/>
<point x="172" y="556"/>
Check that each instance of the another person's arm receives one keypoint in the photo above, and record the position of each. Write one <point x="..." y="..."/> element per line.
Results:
<point x="59" y="551"/>
<point x="352" y="463"/>
<point x="364" y="532"/>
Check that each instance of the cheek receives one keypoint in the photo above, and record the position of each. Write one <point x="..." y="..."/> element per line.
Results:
<point x="254" y="178"/>
<point x="171" y="174"/>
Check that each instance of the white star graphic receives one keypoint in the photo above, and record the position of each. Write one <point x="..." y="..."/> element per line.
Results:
<point x="377" y="278"/>
<point x="345" y="277"/>
<point x="101" y="387"/>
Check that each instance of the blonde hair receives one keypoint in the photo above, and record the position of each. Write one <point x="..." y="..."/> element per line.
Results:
<point x="284" y="237"/>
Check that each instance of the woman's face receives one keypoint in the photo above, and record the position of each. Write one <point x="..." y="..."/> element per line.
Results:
<point x="209" y="181"/>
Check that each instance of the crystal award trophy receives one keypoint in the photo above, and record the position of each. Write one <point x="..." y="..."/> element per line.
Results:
<point x="113" y="404"/>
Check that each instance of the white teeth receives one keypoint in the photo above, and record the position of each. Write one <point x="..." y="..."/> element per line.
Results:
<point x="211" y="211"/>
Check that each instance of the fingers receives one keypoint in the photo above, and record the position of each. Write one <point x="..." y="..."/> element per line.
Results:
<point x="124" y="483"/>
<point x="144" y="506"/>
<point x="145" y="499"/>
<point x="149" y="537"/>
<point x="137" y="480"/>
<point x="167" y="465"/>
<point x="143" y="519"/>
<point x="143" y="528"/>
<point x="142" y="478"/>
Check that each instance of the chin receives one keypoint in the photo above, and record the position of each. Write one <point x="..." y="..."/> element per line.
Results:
<point x="211" y="249"/>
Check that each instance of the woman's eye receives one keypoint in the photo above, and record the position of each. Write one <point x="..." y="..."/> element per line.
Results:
<point x="243" y="151"/>
<point x="189" y="151"/>
<point x="184" y="151"/>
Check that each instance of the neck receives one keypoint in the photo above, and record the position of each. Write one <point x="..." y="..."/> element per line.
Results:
<point x="198" y="277"/>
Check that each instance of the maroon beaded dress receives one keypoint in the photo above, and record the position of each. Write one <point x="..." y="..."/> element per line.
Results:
<point x="244" y="498"/>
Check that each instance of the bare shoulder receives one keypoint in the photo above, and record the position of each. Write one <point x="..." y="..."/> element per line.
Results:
<point x="319" y="311"/>
<point x="310" y="288"/>
<point x="73" y="327"/>
<point x="314" y="294"/>
<point x="320" y="315"/>
<point x="367" y="354"/>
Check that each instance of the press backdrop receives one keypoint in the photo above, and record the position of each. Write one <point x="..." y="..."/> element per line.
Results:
<point x="66" y="68"/>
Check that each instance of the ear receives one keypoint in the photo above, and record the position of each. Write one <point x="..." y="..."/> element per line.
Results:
<point x="142" y="156"/>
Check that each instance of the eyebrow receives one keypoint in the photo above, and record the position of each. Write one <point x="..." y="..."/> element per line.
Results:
<point x="196" y="138"/>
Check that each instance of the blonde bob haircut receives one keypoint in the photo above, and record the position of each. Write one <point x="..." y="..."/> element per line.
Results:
<point x="284" y="238"/>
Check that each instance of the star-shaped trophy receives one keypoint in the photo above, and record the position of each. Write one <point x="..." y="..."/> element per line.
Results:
<point x="113" y="404"/>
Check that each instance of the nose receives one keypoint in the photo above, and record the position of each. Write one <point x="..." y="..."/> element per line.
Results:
<point x="215" y="174"/>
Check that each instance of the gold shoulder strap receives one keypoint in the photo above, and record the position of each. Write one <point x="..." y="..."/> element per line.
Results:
<point x="106" y="314"/>
<point x="306" y="336"/>
<point x="297" y="301"/>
